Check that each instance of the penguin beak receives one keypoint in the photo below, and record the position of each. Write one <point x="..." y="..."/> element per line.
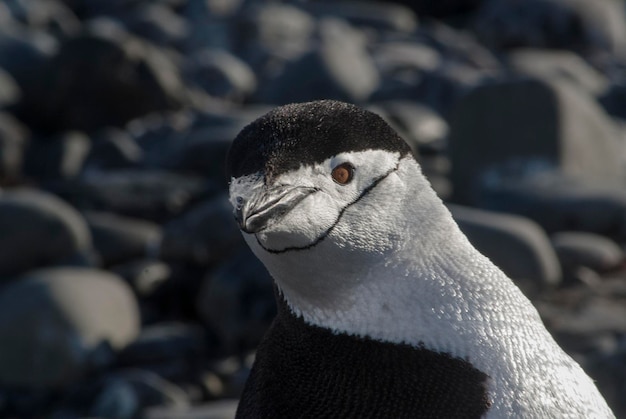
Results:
<point x="254" y="214"/>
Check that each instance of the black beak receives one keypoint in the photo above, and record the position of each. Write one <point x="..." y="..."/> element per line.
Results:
<point x="256" y="213"/>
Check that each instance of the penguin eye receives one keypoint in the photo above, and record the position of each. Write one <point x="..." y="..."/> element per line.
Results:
<point x="343" y="173"/>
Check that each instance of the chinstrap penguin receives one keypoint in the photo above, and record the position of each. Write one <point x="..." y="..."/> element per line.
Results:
<point x="385" y="309"/>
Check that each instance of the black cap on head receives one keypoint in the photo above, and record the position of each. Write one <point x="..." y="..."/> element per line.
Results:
<point x="307" y="133"/>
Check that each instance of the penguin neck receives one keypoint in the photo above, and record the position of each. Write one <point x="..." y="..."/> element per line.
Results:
<point x="425" y="284"/>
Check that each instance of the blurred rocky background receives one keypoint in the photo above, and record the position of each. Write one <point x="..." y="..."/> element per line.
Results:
<point x="125" y="288"/>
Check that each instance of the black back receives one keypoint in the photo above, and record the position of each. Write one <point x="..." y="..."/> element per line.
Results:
<point x="307" y="133"/>
<point x="304" y="371"/>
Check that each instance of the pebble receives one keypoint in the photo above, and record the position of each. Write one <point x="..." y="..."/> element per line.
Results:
<point x="237" y="303"/>
<point x="38" y="229"/>
<point x="55" y="323"/>
<point x="223" y="409"/>
<point x="14" y="138"/>
<point x="586" y="250"/>
<point x="118" y="239"/>
<point x="113" y="148"/>
<point x="9" y="90"/>
<point x="60" y="157"/>
<point x="529" y="127"/>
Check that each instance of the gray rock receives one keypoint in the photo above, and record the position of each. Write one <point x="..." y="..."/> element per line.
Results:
<point x="158" y="24"/>
<point x="271" y="34"/>
<point x="372" y="14"/>
<point x="13" y="141"/>
<point x="442" y="9"/>
<point x="125" y="394"/>
<point x="559" y="66"/>
<point x="119" y="239"/>
<point x="423" y="128"/>
<point x="146" y="276"/>
<point x="340" y="68"/>
<point x="236" y="301"/>
<point x="221" y="74"/>
<point x="38" y="229"/>
<point x="9" y="90"/>
<point x="59" y="157"/>
<point x="221" y="409"/>
<point x="517" y="128"/>
<point x="154" y="195"/>
<point x="123" y="76"/>
<point x="53" y="323"/>
<point x="568" y="24"/>
<point x="576" y="250"/>
<point x="515" y="244"/>
<point x="175" y="351"/>
<point x="50" y="15"/>
<point x="113" y="149"/>
<point x="561" y="203"/>
<point x="204" y="235"/>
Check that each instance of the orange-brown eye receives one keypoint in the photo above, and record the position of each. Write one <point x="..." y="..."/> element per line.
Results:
<point x="343" y="173"/>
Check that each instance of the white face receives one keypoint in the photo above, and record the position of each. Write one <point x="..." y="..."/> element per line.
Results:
<point x="324" y="204"/>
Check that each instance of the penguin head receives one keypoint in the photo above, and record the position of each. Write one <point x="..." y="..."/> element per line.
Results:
<point x="295" y="171"/>
<point x="324" y="182"/>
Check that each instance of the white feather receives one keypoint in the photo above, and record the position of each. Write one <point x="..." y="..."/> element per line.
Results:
<point x="395" y="267"/>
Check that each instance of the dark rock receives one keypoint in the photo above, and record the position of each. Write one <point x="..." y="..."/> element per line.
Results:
<point x="204" y="235"/>
<point x="105" y="77"/>
<point x="339" y="68"/>
<point x="557" y="65"/>
<point x="13" y="141"/>
<point x="59" y="157"/>
<point x="146" y="276"/>
<point x="442" y="9"/>
<point x="221" y="409"/>
<point x="125" y="394"/>
<point x="38" y="230"/>
<point x="609" y="371"/>
<point x="271" y="34"/>
<point x="614" y="99"/>
<point x="221" y="74"/>
<point x="561" y="24"/>
<point x="54" y="323"/>
<point x="149" y="194"/>
<point x="561" y="203"/>
<point x="119" y="239"/>
<point x="515" y="244"/>
<point x="520" y="127"/>
<point x="237" y="302"/>
<point x="50" y="15"/>
<point x="175" y="351"/>
<point x="158" y="24"/>
<point x="113" y="149"/>
<point x="372" y="14"/>
<point x="85" y="9"/>
<point x="423" y="128"/>
<point x="9" y="90"/>
<point x="576" y="250"/>
<point x="24" y="54"/>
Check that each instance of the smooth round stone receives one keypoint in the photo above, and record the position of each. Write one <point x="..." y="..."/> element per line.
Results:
<point x="205" y="235"/>
<point x="38" y="229"/>
<point x="54" y="323"/>
<point x="158" y="24"/>
<point x="582" y="26"/>
<point x="578" y="249"/>
<point x="236" y="301"/>
<point x="60" y="157"/>
<point x="126" y="394"/>
<point x="559" y="65"/>
<point x="339" y="68"/>
<point x="221" y="409"/>
<point x="515" y="244"/>
<point x="10" y="92"/>
<point x="113" y="148"/>
<point x="222" y="74"/>
<point x="13" y="142"/>
<point x="119" y="239"/>
<point x="51" y="15"/>
<point x="529" y="126"/>
<point x="147" y="277"/>
<point x="125" y="78"/>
